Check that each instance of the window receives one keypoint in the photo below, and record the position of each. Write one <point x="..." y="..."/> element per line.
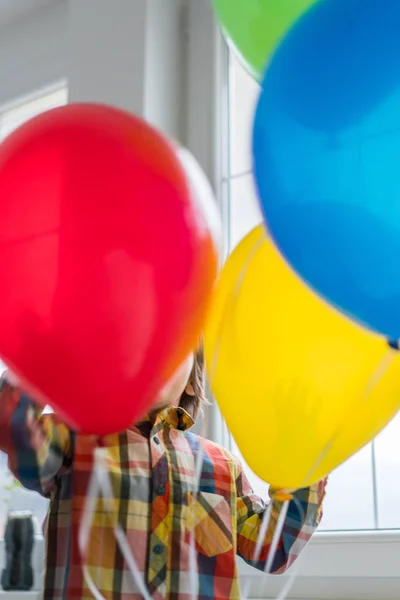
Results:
<point x="12" y="496"/>
<point x="364" y="493"/>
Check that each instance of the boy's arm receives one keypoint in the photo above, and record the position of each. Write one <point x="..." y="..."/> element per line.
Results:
<point x="38" y="447"/>
<point x="297" y="530"/>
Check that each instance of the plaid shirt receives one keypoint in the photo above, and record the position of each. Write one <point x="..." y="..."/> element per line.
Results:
<point x="153" y="474"/>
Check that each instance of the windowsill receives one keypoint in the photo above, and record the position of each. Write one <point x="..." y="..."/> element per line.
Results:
<point x="369" y="536"/>
<point x="354" y="565"/>
<point x="359" y="565"/>
<point x="20" y="595"/>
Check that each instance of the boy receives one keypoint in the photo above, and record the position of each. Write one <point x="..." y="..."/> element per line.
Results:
<point x="152" y="468"/>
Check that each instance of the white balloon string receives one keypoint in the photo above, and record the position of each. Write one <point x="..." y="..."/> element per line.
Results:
<point x="293" y="572"/>
<point x="266" y="518"/>
<point x="276" y="537"/>
<point x="283" y="594"/>
<point x="263" y="532"/>
<point x="106" y="488"/>
<point x="100" y="484"/>
<point x="193" y="570"/>
<point x="193" y="573"/>
<point x="261" y="542"/>
<point x="92" y="495"/>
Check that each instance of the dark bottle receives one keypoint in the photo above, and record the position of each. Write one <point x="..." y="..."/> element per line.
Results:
<point x="19" y="539"/>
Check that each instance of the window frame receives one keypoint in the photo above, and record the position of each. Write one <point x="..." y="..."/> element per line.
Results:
<point x="33" y="95"/>
<point x="41" y="92"/>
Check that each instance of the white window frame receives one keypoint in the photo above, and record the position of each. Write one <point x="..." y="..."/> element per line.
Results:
<point x="347" y="565"/>
<point x="37" y="94"/>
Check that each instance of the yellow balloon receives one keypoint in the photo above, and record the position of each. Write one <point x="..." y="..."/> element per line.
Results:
<point x="301" y="387"/>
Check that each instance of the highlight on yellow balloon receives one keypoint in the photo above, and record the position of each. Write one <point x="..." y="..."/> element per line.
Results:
<point x="301" y="387"/>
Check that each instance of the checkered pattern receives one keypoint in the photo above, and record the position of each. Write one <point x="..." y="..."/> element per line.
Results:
<point x="153" y="474"/>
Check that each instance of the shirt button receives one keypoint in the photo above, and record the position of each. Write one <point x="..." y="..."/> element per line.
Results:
<point x="156" y="440"/>
<point x="161" y="490"/>
<point x="158" y="549"/>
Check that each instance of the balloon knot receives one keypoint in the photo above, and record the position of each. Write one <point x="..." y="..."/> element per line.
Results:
<point x="395" y="344"/>
<point x="283" y="496"/>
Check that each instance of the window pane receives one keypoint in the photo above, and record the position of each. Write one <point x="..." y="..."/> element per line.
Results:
<point x="342" y="507"/>
<point x="349" y="498"/>
<point x="16" y="498"/>
<point x="244" y="210"/>
<point x="259" y="486"/>
<point x="387" y="456"/>
<point x="244" y="95"/>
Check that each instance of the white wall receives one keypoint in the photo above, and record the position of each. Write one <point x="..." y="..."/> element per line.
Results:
<point x="130" y="55"/>
<point x="164" y="99"/>
<point x="33" y="51"/>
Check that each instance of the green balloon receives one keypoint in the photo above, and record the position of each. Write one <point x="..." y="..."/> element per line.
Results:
<point x="256" y="26"/>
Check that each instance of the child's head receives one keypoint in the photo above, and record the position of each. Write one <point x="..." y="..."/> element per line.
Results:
<point x="187" y="388"/>
<point x="193" y="398"/>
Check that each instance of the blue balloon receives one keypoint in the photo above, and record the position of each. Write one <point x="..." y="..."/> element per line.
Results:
<point x="326" y="148"/>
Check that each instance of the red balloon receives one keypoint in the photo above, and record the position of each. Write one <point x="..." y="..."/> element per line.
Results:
<point x="107" y="263"/>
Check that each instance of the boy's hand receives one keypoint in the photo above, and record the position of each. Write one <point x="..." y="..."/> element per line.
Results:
<point x="11" y="379"/>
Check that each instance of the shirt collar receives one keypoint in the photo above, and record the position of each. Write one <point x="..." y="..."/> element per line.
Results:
<point x="174" y="416"/>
